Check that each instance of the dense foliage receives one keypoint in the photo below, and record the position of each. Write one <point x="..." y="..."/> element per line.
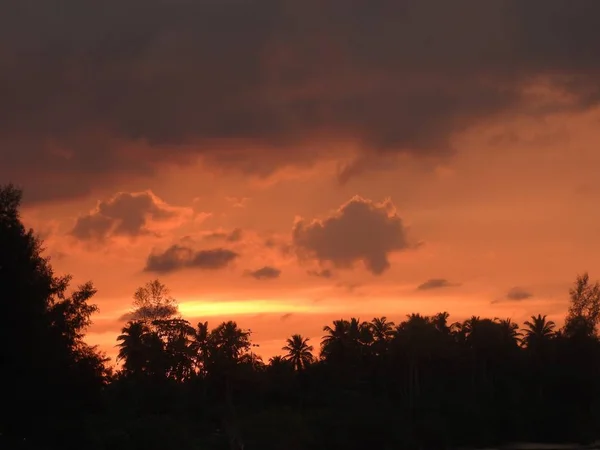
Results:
<point x="425" y="382"/>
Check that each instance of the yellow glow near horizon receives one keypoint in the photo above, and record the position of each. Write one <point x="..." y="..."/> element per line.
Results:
<point x="207" y="308"/>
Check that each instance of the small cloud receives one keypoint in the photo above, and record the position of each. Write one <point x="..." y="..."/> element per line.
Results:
<point x="286" y="316"/>
<point x="178" y="257"/>
<point x="515" y="294"/>
<point x="324" y="273"/>
<point x="265" y="273"/>
<point x="234" y="235"/>
<point x="435" y="283"/>
<point x="518" y="294"/>
<point x="125" y="214"/>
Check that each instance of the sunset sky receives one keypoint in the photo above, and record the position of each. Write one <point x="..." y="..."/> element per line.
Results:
<point x="284" y="163"/>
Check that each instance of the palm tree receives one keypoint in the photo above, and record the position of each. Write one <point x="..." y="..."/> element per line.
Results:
<point x="382" y="329"/>
<point x="383" y="332"/>
<point x="133" y="347"/>
<point x="200" y="346"/>
<point x="359" y="332"/>
<point x="469" y="325"/>
<point x="226" y="344"/>
<point x="510" y="331"/>
<point x="334" y="343"/>
<point x="180" y="353"/>
<point x="440" y="321"/>
<point x="277" y="361"/>
<point x="538" y="330"/>
<point x="299" y="352"/>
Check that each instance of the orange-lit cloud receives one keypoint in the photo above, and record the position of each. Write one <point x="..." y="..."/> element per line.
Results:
<point x="360" y="230"/>
<point x="178" y="257"/>
<point x="436" y="283"/>
<point x="265" y="273"/>
<point x="126" y="214"/>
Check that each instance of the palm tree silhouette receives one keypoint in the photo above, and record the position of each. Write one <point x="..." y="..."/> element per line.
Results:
<point x="383" y="332"/>
<point x="538" y="330"/>
<point x="334" y="343"/>
<point x="133" y="347"/>
<point x="382" y="329"/>
<point x="510" y="331"/>
<point x="299" y="352"/>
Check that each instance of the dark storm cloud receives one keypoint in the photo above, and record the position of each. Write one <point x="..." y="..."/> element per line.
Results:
<point x="126" y="214"/>
<point x="361" y="230"/>
<point x="179" y="257"/>
<point x="435" y="283"/>
<point x="93" y="91"/>
<point x="265" y="273"/>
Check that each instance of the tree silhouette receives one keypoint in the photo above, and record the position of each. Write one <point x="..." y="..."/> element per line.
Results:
<point x="510" y="331"/>
<point x="584" y="310"/>
<point x="43" y="353"/>
<point x="538" y="331"/>
<point x="299" y="352"/>
<point x="133" y="347"/>
<point x="153" y="302"/>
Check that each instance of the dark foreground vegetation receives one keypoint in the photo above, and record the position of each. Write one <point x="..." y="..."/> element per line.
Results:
<point x="423" y="383"/>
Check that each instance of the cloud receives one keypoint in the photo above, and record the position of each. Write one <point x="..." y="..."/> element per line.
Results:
<point x="286" y="316"/>
<point x="435" y="283"/>
<point x="360" y="230"/>
<point x="125" y="214"/>
<point x="178" y="257"/>
<point x="518" y="294"/>
<point x="234" y="235"/>
<point x="95" y="91"/>
<point x="324" y="273"/>
<point x="515" y="294"/>
<point x="265" y="273"/>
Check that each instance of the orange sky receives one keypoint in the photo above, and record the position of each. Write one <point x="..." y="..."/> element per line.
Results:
<point x="522" y="217"/>
<point x="239" y="151"/>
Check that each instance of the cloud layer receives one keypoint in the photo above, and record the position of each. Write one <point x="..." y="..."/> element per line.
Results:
<point x="94" y="91"/>
<point x="360" y="230"/>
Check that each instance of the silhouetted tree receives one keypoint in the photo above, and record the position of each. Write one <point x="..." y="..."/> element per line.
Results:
<point x="48" y="372"/>
<point x="584" y="310"/>
<point x="538" y="331"/>
<point x="153" y="302"/>
<point x="299" y="352"/>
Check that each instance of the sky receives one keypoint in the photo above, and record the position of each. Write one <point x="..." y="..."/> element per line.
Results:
<point x="285" y="163"/>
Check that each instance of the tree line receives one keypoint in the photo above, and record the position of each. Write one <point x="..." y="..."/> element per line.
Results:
<point x="425" y="382"/>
